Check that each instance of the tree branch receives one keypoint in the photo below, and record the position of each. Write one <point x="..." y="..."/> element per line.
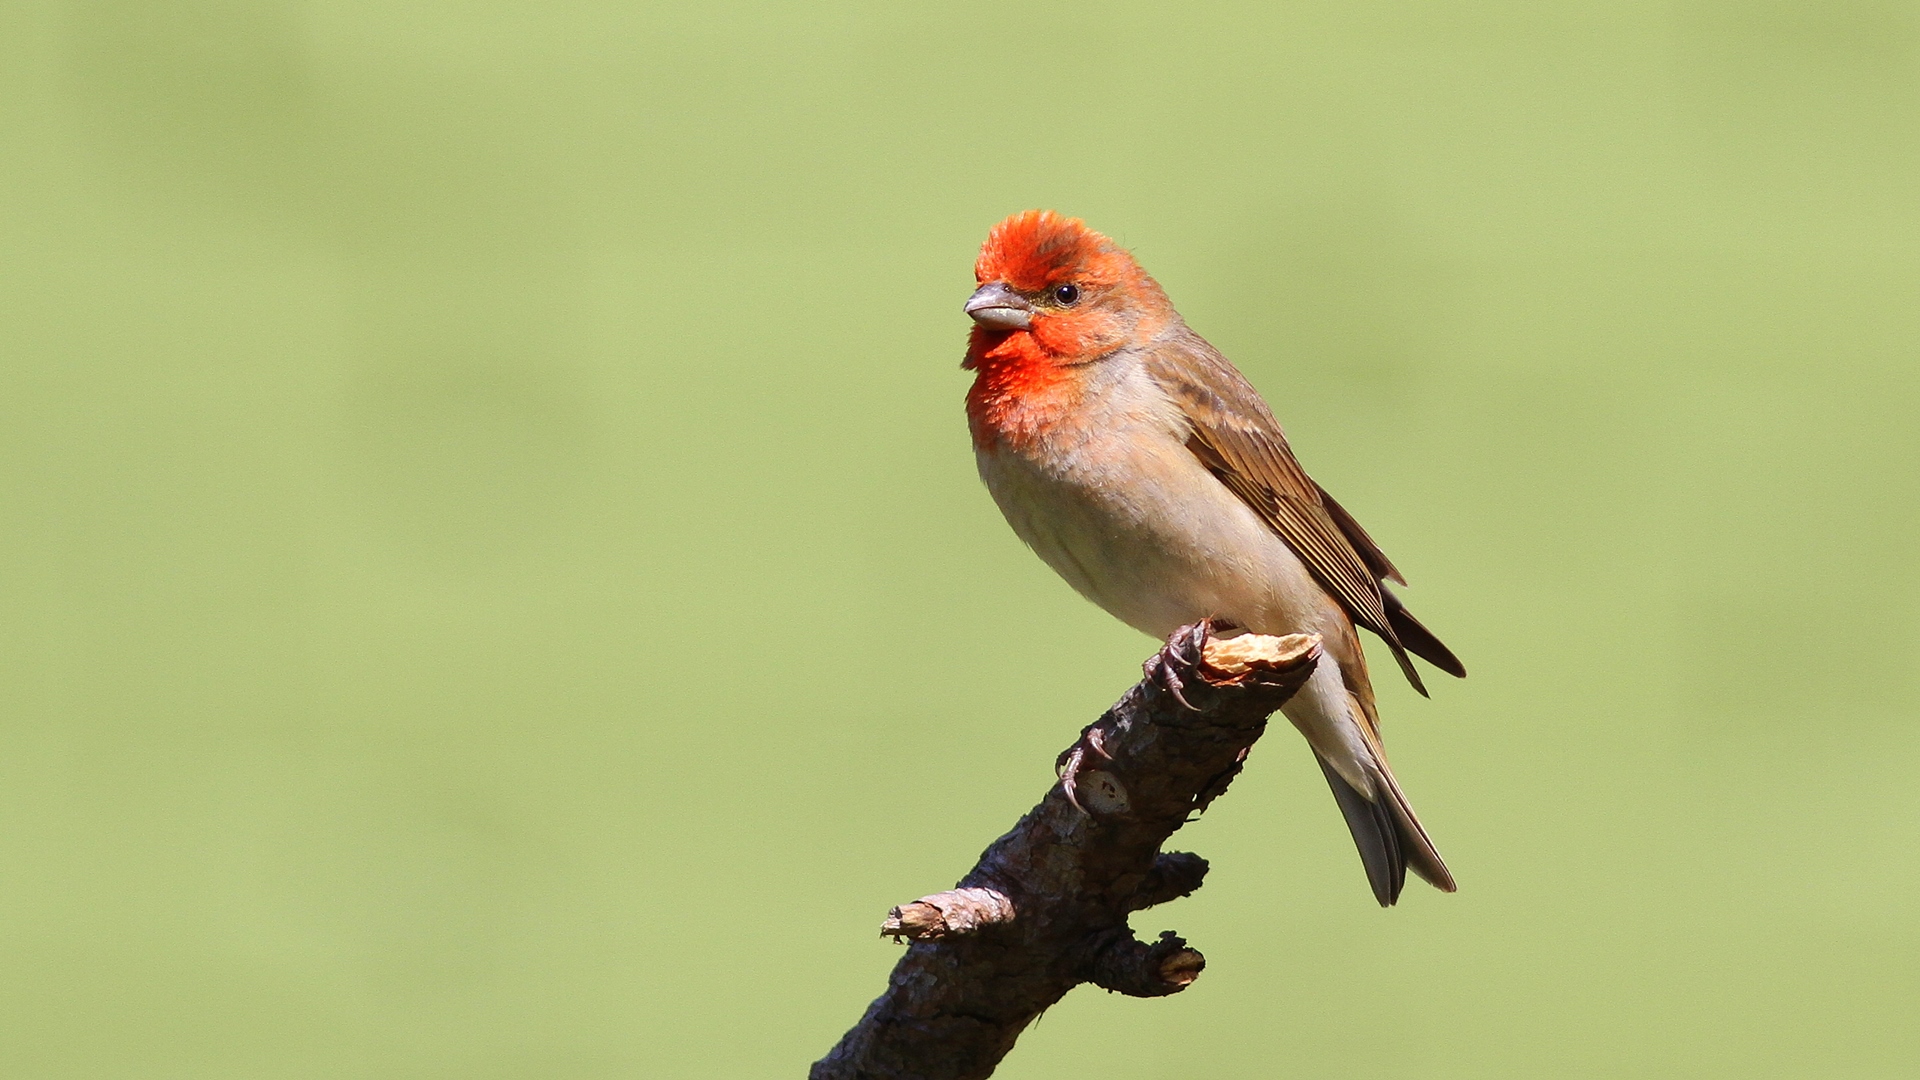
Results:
<point x="1046" y="907"/>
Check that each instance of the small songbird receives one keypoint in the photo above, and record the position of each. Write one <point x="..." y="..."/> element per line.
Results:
<point x="1141" y="466"/>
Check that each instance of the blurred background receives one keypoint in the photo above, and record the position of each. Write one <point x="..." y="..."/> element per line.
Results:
<point x="494" y="582"/>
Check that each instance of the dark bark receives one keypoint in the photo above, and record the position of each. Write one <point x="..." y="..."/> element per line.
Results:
<point x="1046" y="907"/>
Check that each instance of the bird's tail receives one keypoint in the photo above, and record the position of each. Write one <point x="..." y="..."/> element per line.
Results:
<point x="1387" y="833"/>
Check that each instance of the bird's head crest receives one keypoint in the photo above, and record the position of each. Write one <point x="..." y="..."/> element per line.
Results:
<point x="1037" y="249"/>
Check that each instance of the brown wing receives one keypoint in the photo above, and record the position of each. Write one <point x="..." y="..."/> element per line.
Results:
<point x="1237" y="438"/>
<point x="1416" y="638"/>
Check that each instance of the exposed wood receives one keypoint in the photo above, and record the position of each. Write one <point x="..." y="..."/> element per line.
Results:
<point x="1046" y="907"/>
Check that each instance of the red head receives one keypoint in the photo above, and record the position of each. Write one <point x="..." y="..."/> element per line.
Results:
<point x="1076" y="293"/>
<point x="1053" y="295"/>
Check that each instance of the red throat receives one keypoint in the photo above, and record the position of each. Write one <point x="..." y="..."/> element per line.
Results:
<point x="1018" y="389"/>
<point x="1027" y="379"/>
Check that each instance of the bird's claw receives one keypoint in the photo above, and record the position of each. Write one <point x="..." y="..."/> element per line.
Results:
<point x="1159" y="669"/>
<point x="1172" y="684"/>
<point x="1160" y="672"/>
<point x="1093" y="738"/>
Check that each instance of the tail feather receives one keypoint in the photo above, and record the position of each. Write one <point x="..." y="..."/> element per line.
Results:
<point x="1375" y="833"/>
<point x="1389" y="836"/>
<point x="1383" y="824"/>
<point x="1414" y="841"/>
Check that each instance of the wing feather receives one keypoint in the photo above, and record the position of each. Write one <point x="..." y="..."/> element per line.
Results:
<point x="1235" y="435"/>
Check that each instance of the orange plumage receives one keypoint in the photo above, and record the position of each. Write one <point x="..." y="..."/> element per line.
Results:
<point x="1140" y="465"/>
<point x="1023" y="376"/>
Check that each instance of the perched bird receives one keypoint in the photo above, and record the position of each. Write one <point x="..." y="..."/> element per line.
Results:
<point x="1140" y="465"/>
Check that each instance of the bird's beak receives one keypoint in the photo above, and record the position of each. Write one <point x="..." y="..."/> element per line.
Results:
<point x="997" y="307"/>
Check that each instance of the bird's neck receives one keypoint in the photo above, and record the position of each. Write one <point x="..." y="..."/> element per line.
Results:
<point x="1020" y="389"/>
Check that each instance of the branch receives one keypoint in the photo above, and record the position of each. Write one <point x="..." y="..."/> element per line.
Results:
<point x="1046" y="907"/>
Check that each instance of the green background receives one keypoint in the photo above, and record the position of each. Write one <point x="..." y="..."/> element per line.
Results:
<point x="493" y="585"/>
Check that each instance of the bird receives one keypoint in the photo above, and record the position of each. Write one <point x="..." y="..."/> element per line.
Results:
<point x="1140" y="465"/>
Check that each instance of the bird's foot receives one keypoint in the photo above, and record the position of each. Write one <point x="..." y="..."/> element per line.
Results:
<point x="1091" y="743"/>
<point x="1160" y="669"/>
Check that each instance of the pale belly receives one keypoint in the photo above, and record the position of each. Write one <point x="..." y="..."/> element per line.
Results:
<point x="1170" y="545"/>
<point x="1155" y="539"/>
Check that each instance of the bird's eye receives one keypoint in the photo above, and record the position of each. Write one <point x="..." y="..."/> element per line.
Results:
<point x="1066" y="295"/>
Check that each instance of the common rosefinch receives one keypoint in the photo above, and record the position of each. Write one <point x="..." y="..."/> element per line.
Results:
<point x="1141" y="466"/>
